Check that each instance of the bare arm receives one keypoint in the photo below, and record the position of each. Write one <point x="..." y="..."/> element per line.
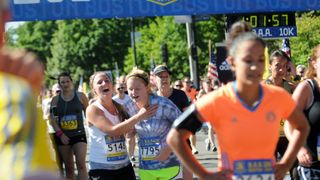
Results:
<point x="302" y="96"/>
<point x="96" y="117"/>
<point x="300" y="130"/>
<point x="177" y="141"/>
<point x="53" y="121"/>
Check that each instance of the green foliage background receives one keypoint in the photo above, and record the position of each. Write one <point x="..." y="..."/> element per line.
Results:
<point x="84" y="46"/>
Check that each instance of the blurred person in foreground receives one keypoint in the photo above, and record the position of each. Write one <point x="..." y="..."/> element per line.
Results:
<point x="24" y="151"/>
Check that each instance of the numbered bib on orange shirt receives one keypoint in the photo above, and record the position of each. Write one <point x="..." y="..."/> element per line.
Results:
<point x="253" y="169"/>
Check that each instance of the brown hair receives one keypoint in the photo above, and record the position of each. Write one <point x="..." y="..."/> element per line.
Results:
<point x="311" y="71"/>
<point x="235" y="30"/>
<point x="122" y="114"/>
<point x="278" y="53"/>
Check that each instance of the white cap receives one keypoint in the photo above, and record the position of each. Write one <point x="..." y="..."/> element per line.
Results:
<point x="55" y="87"/>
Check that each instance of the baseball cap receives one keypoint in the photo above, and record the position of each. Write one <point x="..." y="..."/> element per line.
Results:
<point x="161" y="68"/>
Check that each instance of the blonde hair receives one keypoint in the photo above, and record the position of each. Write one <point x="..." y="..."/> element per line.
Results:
<point x="311" y="71"/>
<point x="140" y="74"/>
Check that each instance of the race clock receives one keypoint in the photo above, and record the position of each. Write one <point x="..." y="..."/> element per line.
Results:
<point x="268" y="25"/>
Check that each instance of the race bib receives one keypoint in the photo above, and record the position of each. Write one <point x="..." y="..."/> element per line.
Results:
<point x="116" y="148"/>
<point x="69" y="122"/>
<point x="253" y="169"/>
<point x="318" y="148"/>
<point x="149" y="148"/>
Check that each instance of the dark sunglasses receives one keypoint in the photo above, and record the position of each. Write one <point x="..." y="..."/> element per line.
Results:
<point x="58" y="91"/>
<point x="120" y="88"/>
<point x="178" y="85"/>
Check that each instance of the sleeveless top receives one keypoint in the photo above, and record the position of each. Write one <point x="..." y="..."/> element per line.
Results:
<point x="313" y="115"/>
<point x="70" y="116"/>
<point x="106" y="152"/>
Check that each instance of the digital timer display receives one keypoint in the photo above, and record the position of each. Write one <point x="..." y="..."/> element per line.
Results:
<point x="268" y="25"/>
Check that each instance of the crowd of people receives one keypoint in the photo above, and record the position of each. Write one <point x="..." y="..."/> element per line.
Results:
<point x="265" y="128"/>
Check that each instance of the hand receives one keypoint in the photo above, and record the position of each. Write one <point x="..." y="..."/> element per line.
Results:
<point x="163" y="154"/>
<point x="24" y="65"/>
<point x="147" y="112"/>
<point x="280" y="170"/>
<point x="304" y="157"/>
<point x="64" y="139"/>
<point x="221" y="175"/>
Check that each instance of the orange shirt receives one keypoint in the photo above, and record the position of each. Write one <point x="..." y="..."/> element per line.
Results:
<point x="191" y="94"/>
<point x="244" y="133"/>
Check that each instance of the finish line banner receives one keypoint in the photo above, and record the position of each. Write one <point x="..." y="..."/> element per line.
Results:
<point x="33" y="10"/>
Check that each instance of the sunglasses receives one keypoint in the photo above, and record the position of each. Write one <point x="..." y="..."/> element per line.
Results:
<point x="178" y="85"/>
<point x="58" y="91"/>
<point x="120" y="88"/>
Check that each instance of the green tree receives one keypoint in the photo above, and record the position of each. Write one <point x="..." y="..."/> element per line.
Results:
<point x="35" y="37"/>
<point x="164" y="30"/>
<point x="308" y="26"/>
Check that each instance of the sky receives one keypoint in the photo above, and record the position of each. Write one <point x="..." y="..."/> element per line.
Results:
<point x="13" y="24"/>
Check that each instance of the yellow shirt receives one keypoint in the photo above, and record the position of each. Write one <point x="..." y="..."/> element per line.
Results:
<point x="24" y="148"/>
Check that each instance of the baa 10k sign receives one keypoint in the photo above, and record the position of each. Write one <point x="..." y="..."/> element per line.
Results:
<point x="32" y="10"/>
<point x="268" y="25"/>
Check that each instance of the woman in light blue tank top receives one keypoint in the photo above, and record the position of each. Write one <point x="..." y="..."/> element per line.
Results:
<point x="107" y="124"/>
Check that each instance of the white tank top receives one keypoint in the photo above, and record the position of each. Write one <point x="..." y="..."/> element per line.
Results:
<point x="106" y="149"/>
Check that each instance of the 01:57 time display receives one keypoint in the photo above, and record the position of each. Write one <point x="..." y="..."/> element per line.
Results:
<point x="269" y="20"/>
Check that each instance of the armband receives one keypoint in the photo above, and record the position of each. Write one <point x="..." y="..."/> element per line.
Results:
<point x="188" y="120"/>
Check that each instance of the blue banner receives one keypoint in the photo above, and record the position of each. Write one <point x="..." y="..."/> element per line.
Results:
<point x="32" y="10"/>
